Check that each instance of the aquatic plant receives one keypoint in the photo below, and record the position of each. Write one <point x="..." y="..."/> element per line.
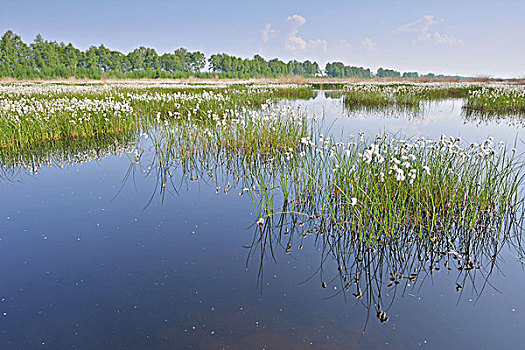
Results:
<point x="501" y="98"/>
<point x="368" y="188"/>
<point x="31" y="114"/>
<point x="365" y="188"/>
<point x="507" y="99"/>
<point x="389" y="186"/>
<point x="407" y="94"/>
<point x="384" y="213"/>
<point x="247" y="140"/>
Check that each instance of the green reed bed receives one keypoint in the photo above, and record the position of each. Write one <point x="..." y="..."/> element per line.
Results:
<point x="378" y="97"/>
<point x="445" y="92"/>
<point x="286" y="92"/>
<point x="505" y="99"/>
<point x="245" y="134"/>
<point x="386" y="111"/>
<point x="208" y="104"/>
<point x="25" y="122"/>
<point x="246" y="140"/>
<point x="402" y="94"/>
<point x="390" y="186"/>
<point x="374" y="266"/>
<point x="367" y="189"/>
<point x="328" y="86"/>
<point x="32" y="114"/>
<point x="495" y="98"/>
<point x="389" y="212"/>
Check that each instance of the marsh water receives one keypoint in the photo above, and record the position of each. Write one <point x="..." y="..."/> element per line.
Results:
<point x="92" y="256"/>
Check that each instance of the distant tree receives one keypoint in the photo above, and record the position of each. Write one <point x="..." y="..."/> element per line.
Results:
<point x="277" y="68"/>
<point x="170" y="63"/>
<point x="15" y="56"/>
<point x="196" y="61"/>
<point x="70" y="57"/>
<point x="50" y="59"/>
<point x="339" y="70"/>
<point x="137" y="60"/>
<point x="387" y="73"/>
<point x="410" y="75"/>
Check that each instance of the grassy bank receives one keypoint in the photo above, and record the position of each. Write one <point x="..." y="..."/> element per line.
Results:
<point x="31" y="114"/>
<point x="492" y="98"/>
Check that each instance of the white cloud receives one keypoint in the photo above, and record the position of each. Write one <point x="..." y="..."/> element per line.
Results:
<point x="297" y="19"/>
<point x="368" y="43"/>
<point x="422" y="27"/>
<point x="267" y="32"/>
<point x="294" y="42"/>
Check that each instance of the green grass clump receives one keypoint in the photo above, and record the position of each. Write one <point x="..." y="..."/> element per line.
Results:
<point x="246" y="134"/>
<point x="498" y="100"/>
<point x="378" y="94"/>
<point x="368" y="190"/>
<point x="485" y="98"/>
<point x="30" y="115"/>
<point x="375" y="98"/>
<point x="327" y="85"/>
<point x="390" y="186"/>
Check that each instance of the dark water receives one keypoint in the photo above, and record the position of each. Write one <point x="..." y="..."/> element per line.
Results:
<point x="87" y="263"/>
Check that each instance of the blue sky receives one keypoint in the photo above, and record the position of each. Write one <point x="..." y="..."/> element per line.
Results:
<point x="475" y="38"/>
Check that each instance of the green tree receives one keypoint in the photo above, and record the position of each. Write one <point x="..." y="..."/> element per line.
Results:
<point x="388" y="73"/>
<point x="410" y="75"/>
<point x="15" y="57"/>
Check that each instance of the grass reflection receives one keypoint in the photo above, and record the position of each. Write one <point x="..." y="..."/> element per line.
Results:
<point x="385" y="214"/>
<point x="395" y="267"/>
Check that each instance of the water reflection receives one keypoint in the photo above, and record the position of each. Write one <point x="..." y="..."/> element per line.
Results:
<point x="425" y="109"/>
<point x="480" y="118"/>
<point x="64" y="152"/>
<point x="410" y="112"/>
<point x="143" y="278"/>
<point x="373" y="273"/>
<point x="394" y="267"/>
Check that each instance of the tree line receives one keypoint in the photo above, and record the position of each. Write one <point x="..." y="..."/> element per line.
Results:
<point x="50" y="59"/>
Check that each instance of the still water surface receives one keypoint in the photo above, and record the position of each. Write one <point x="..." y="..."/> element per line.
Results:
<point x="87" y="263"/>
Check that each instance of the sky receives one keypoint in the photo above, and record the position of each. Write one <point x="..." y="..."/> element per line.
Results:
<point x="461" y="37"/>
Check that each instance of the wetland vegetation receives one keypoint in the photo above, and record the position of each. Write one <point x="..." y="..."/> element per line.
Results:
<point x="378" y="213"/>
<point x="490" y="98"/>
<point x="395" y="252"/>
<point x="370" y="187"/>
